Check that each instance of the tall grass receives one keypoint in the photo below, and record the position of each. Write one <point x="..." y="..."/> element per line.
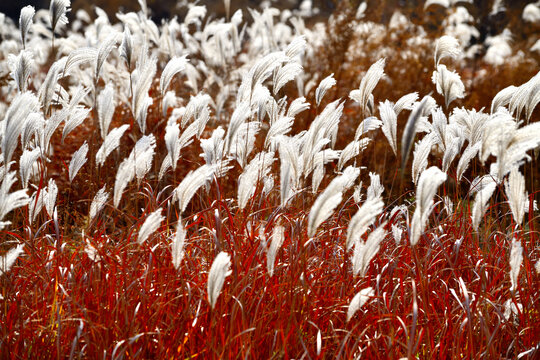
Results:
<point x="224" y="187"/>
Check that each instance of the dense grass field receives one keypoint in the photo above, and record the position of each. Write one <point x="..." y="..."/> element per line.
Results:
<point x="271" y="183"/>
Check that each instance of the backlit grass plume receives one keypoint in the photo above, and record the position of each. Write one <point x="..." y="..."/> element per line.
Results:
<point x="221" y="268"/>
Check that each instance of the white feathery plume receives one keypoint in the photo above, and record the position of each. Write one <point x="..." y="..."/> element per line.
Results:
<point x="244" y="142"/>
<point x="321" y="158"/>
<point x="213" y="147"/>
<point x="185" y="191"/>
<point x="502" y="98"/>
<point x="517" y="195"/>
<point x="375" y="188"/>
<point x="480" y="183"/>
<point x="365" y="251"/>
<point x="103" y="52"/>
<point x="265" y="104"/>
<point x="150" y="225"/>
<point x="101" y="197"/>
<point x="57" y="13"/>
<point x="525" y="97"/>
<point x="10" y="201"/>
<point x="468" y="154"/>
<point x="220" y="269"/>
<point x="330" y="198"/>
<point x="50" y="198"/>
<point x="126" y="47"/>
<point x="172" y="143"/>
<point x="26" y="164"/>
<point x="258" y="168"/>
<point x="195" y="108"/>
<point x="452" y="149"/>
<point x="21" y="67"/>
<point x="194" y="76"/>
<point x="289" y="152"/>
<point x="279" y="128"/>
<point x="516" y="258"/>
<point x="310" y="151"/>
<point x="397" y="232"/>
<point x="410" y="129"/>
<point x="50" y="85"/>
<point x="284" y="74"/>
<point x="533" y="100"/>
<point x="363" y="218"/>
<point x="368" y="124"/>
<point x="74" y="118"/>
<point x="446" y="46"/>
<point x="448" y="84"/>
<point x="278" y="236"/>
<point x="321" y="131"/>
<point x="195" y="15"/>
<point x="187" y="136"/>
<point x="297" y="106"/>
<point x="25" y="22"/>
<point x="178" y="244"/>
<point x="481" y="200"/>
<point x="51" y="124"/>
<point x="77" y="57"/>
<point x="508" y="143"/>
<point x="511" y="309"/>
<point x="169" y="101"/>
<point x="143" y="154"/>
<point x="238" y="117"/>
<point x="111" y="142"/>
<point x="352" y="150"/>
<point x="91" y="251"/>
<point x="368" y="83"/>
<point x="14" y="119"/>
<point x="359" y="300"/>
<point x="405" y="102"/>
<point x="124" y="175"/>
<point x="105" y="109"/>
<point x="36" y="204"/>
<point x="329" y="120"/>
<point x="78" y="94"/>
<point x="420" y="155"/>
<point x="285" y="182"/>
<point x="77" y="161"/>
<point x="33" y="126"/>
<point x="263" y="68"/>
<point x="439" y="126"/>
<point x="537" y="267"/>
<point x="357" y="194"/>
<point x="146" y="69"/>
<point x="326" y="84"/>
<point x="173" y="67"/>
<point x="8" y="259"/>
<point x="296" y="47"/>
<point x="389" y="123"/>
<point x="429" y="182"/>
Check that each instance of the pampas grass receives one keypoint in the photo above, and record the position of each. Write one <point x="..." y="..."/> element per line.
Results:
<point x="516" y="258"/>
<point x="250" y="156"/>
<point x="429" y="181"/>
<point x="359" y="300"/>
<point x="325" y="204"/>
<point x="216" y="277"/>
<point x="8" y="259"/>
<point x="368" y="83"/>
<point x="150" y="225"/>
<point x="77" y="161"/>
